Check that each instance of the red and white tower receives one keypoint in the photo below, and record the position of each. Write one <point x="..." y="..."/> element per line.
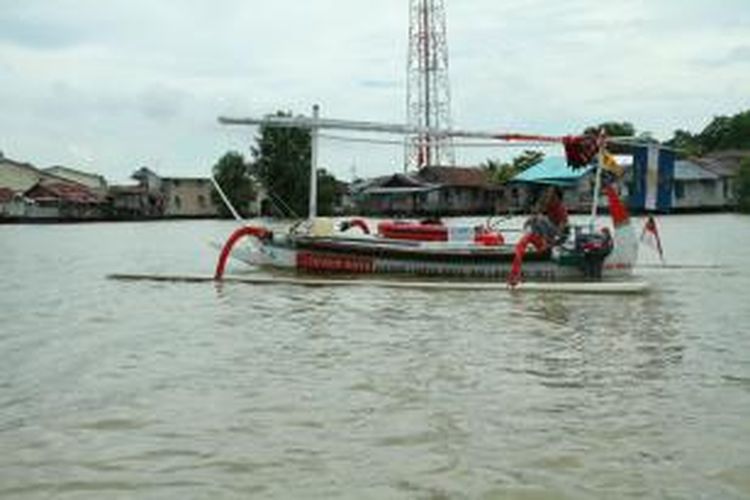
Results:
<point x="428" y="100"/>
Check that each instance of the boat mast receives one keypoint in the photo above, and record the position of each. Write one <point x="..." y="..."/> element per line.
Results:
<point x="597" y="187"/>
<point x="313" y="206"/>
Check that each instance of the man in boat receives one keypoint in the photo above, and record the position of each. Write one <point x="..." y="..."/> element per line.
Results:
<point x="546" y="227"/>
<point x="550" y="218"/>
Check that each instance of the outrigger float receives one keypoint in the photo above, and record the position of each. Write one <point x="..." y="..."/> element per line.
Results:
<point x="321" y="247"/>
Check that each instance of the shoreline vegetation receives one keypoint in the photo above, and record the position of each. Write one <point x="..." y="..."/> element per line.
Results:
<point x="275" y="182"/>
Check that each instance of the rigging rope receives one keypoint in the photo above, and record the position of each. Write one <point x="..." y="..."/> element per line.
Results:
<point x="395" y="142"/>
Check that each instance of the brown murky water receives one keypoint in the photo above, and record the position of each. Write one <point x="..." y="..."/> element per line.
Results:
<point x="154" y="390"/>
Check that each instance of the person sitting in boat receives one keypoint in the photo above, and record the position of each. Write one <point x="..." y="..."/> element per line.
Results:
<point x="550" y="218"/>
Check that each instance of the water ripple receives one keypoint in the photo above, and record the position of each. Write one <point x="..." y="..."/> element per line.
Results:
<point x="180" y="391"/>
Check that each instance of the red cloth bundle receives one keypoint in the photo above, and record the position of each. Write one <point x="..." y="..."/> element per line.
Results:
<point x="580" y="150"/>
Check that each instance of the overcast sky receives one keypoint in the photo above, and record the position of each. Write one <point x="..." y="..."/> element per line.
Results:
<point x="110" y="86"/>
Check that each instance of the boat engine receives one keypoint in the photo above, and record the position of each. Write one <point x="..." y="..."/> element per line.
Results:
<point x="593" y="249"/>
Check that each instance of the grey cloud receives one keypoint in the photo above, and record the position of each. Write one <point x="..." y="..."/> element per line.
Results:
<point x="740" y="54"/>
<point x="159" y="102"/>
<point x="37" y="35"/>
<point x="737" y="55"/>
<point x="157" y="74"/>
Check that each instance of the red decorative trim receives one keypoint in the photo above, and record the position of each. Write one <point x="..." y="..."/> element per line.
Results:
<point x="528" y="137"/>
<point x="321" y="262"/>
<point x="413" y="231"/>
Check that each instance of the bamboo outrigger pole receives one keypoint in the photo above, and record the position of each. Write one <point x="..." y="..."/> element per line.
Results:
<point x="226" y="201"/>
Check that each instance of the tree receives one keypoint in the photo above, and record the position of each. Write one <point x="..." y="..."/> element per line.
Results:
<point x="743" y="187"/>
<point x="328" y="187"/>
<point x="282" y="163"/>
<point x="727" y="132"/>
<point x="497" y="171"/>
<point x="500" y="172"/>
<point x="612" y="129"/>
<point x="685" y="143"/>
<point x="233" y="175"/>
<point x="527" y="159"/>
<point x="724" y="132"/>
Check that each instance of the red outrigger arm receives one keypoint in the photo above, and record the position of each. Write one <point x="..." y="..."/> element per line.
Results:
<point x="537" y="241"/>
<point x="257" y="232"/>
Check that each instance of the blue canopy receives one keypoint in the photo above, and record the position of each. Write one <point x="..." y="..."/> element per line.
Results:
<point x="552" y="170"/>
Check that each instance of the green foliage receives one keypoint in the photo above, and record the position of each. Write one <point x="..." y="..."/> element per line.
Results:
<point x="500" y="172"/>
<point x="527" y="159"/>
<point x="327" y="192"/>
<point x="724" y="132"/>
<point x="743" y="187"/>
<point x="612" y="129"/>
<point x="685" y="143"/>
<point x="727" y="133"/>
<point x="233" y="175"/>
<point x="282" y="163"/>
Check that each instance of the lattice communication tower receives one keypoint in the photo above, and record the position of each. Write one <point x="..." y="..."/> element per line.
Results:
<point x="428" y="99"/>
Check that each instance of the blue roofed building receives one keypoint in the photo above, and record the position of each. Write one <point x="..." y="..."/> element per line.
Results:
<point x="670" y="186"/>
<point x="553" y="170"/>
<point x="577" y="185"/>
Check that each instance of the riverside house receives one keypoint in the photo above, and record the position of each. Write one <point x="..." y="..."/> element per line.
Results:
<point x="155" y="197"/>
<point x="697" y="188"/>
<point x="188" y="197"/>
<point x="430" y="191"/>
<point x="37" y="195"/>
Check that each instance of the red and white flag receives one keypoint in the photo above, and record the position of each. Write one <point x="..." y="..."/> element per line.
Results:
<point x="650" y="236"/>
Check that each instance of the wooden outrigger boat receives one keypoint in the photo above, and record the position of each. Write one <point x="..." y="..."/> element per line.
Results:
<point x="350" y="247"/>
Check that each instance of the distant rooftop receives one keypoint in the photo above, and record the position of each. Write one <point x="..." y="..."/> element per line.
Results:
<point x="552" y="170"/>
<point x="687" y="170"/>
<point x="455" y="176"/>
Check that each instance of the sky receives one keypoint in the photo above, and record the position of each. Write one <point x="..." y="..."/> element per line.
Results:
<point x="111" y="86"/>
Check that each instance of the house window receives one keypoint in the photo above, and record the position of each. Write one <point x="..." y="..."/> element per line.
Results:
<point x="177" y="202"/>
<point x="679" y="190"/>
<point x="201" y="201"/>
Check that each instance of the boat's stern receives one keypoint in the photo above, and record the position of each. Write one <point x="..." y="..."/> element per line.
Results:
<point x="624" y="255"/>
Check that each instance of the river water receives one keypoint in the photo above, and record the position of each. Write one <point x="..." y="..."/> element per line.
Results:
<point x="154" y="390"/>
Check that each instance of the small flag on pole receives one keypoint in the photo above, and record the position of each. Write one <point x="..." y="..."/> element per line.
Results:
<point x="610" y="164"/>
<point x="650" y="236"/>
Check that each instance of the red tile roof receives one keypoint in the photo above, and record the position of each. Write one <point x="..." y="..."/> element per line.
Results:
<point x="66" y="191"/>
<point x="128" y="189"/>
<point x="6" y="195"/>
